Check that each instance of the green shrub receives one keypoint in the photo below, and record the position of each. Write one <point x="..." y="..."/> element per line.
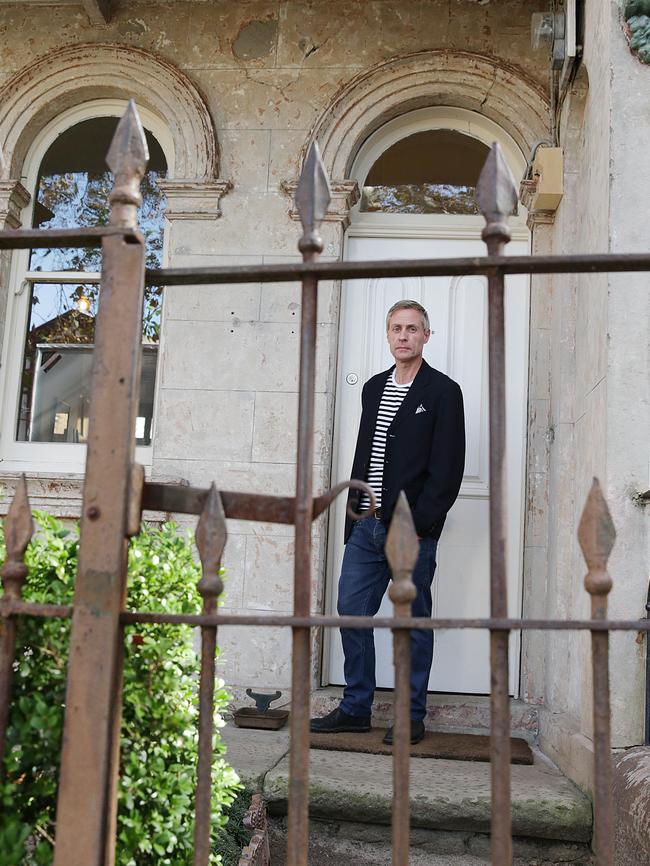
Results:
<point x="159" y="742"/>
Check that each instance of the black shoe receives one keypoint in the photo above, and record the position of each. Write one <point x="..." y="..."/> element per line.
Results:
<point x="417" y="733"/>
<point x="338" y="722"/>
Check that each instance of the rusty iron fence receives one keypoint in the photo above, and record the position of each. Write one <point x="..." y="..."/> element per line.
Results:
<point x="116" y="493"/>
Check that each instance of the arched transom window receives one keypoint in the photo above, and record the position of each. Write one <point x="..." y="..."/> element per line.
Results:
<point x="430" y="172"/>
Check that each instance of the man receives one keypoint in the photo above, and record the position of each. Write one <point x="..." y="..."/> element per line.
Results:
<point x="411" y="438"/>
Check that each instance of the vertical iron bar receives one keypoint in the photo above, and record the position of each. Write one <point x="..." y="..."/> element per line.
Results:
<point x="596" y="535"/>
<point x="86" y="807"/>
<point x="603" y="799"/>
<point x="647" y="674"/>
<point x="202" y="823"/>
<point x="301" y="650"/>
<point x="210" y="540"/>
<point x="312" y="198"/>
<point x="501" y="828"/>
<point x="18" y="530"/>
<point x="401" y="739"/>
<point x="402" y="548"/>
<point x="7" y="652"/>
<point x="496" y="197"/>
<point x="133" y="517"/>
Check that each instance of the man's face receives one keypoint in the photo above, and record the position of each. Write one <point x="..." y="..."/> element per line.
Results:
<point x="406" y="335"/>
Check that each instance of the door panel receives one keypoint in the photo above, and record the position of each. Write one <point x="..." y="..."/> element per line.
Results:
<point x="458" y="346"/>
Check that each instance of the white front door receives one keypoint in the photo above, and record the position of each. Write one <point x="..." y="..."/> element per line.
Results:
<point x="457" y="309"/>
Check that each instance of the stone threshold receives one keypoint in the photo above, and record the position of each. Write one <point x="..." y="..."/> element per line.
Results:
<point x="351" y="800"/>
<point x="452" y="713"/>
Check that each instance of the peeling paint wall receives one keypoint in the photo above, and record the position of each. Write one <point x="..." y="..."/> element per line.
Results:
<point x="227" y="401"/>
<point x="592" y="373"/>
<point x="228" y="365"/>
<point x="632" y="803"/>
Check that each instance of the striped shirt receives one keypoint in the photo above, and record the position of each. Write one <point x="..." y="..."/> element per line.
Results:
<point x="391" y="400"/>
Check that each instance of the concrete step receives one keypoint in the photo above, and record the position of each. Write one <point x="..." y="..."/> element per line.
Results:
<point x="350" y="801"/>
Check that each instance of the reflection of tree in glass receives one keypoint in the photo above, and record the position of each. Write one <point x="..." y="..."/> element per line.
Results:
<point x="419" y="199"/>
<point x="81" y="199"/>
<point x="53" y="306"/>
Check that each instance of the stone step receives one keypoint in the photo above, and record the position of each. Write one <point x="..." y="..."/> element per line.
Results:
<point x="332" y="843"/>
<point x="458" y="713"/>
<point x="350" y="799"/>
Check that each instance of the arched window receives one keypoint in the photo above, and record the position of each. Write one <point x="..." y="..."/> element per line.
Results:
<point x="54" y="321"/>
<point x="420" y="169"/>
<point x="429" y="172"/>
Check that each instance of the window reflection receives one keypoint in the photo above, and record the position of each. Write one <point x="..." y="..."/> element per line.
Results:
<point x="419" y="198"/>
<point x="431" y="172"/>
<point x="55" y="386"/>
<point x="73" y="187"/>
<point x="72" y="190"/>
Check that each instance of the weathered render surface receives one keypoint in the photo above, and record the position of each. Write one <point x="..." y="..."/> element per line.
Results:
<point x="632" y="798"/>
<point x="590" y="400"/>
<point x="244" y="87"/>
<point x="267" y="71"/>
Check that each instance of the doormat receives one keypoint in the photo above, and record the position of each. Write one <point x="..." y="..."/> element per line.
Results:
<point x="454" y="747"/>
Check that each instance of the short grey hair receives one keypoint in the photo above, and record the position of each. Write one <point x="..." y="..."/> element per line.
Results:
<point x="408" y="305"/>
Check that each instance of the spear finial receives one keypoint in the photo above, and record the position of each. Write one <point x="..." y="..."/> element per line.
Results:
<point x="496" y="194"/>
<point x="18" y="530"/>
<point x="211" y="537"/>
<point x="313" y="195"/>
<point x="402" y="548"/>
<point x="127" y="158"/>
<point x="596" y="535"/>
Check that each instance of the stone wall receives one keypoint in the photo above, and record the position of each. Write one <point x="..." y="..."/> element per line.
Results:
<point x="594" y="379"/>
<point x="631" y="784"/>
<point x="267" y="72"/>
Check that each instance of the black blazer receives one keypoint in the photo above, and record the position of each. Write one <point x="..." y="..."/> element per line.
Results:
<point x="425" y="450"/>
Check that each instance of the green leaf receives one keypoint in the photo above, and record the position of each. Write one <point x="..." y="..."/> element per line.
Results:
<point x="159" y="747"/>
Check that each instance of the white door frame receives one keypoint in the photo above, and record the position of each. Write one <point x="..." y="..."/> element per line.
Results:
<point x="424" y="226"/>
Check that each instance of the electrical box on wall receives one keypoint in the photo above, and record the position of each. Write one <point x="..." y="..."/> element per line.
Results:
<point x="557" y="32"/>
<point x="547" y="170"/>
<point x="543" y="189"/>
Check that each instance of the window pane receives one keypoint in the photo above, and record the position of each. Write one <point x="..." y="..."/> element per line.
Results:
<point x="73" y="187"/>
<point x="429" y="172"/>
<point x="419" y="198"/>
<point x="72" y="190"/>
<point x="55" y="384"/>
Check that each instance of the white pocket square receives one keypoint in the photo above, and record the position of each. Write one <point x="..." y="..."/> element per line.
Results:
<point x="420" y="409"/>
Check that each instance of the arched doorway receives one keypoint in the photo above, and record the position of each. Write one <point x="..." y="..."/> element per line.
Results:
<point x="417" y="174"/>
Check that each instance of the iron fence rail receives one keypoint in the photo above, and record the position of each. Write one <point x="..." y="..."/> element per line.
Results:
<point x="470" y="266"/>
<point x="280" y="620"/>
<point x="591" y="263"/>
<point x="116" y="493"/>
<point x="27" y="239"/>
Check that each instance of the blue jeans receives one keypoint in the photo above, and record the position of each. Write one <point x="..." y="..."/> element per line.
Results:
<point x="365" y="574"/>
